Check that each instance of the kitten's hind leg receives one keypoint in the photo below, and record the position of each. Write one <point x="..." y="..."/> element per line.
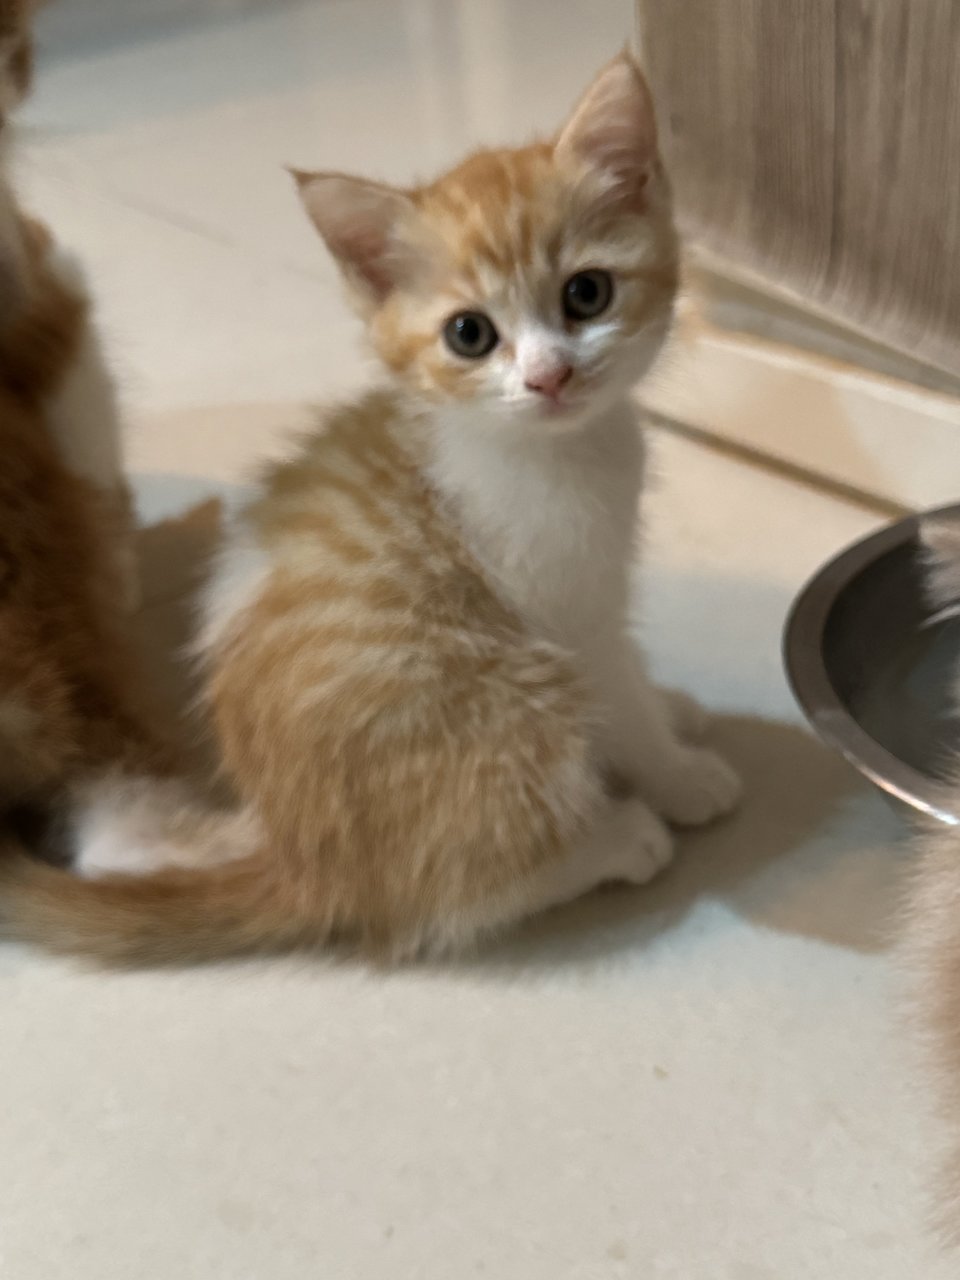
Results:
<point x="630" y="844"/>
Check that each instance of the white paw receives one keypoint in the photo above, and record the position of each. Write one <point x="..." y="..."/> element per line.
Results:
<point x="697" y="787"/>
<point x="644" y="844"/>
<point x="689" y="719"/>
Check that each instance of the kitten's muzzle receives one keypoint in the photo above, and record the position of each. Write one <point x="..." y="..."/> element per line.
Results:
<point x="550" y="380"/>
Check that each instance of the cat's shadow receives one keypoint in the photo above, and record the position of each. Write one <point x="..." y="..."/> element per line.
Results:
<point x="810" y="852"/>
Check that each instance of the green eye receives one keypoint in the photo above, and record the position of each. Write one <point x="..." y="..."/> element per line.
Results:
<point x="470" y="334"/>
<point x="587" y="294"/>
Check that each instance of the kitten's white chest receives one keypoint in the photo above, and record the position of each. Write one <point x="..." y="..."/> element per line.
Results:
<point x="552" y="521"/>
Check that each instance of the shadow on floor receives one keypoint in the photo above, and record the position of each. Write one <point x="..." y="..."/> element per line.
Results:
<point x="811" y="852"/>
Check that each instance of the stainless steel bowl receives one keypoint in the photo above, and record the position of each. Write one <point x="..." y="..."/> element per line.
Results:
<point x="873" y="667"/>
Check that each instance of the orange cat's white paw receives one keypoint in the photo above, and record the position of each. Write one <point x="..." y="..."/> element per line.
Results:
<point x="645" y="845"/>
<point x="698" y="787"/>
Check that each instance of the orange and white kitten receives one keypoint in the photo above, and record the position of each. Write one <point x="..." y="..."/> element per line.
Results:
<point x="419" y="664"/>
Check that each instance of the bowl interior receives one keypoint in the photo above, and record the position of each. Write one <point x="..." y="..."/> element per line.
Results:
<point x="892" y="664"/>
<point x="876" y="669"/>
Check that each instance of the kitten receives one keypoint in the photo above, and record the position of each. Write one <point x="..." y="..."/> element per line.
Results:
<point x="933" y="933"/>
<point x="68" y="706"/>
<point x="419" y="667"/>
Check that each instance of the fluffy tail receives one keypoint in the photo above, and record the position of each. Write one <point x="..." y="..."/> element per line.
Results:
<point x="173" y="916"/>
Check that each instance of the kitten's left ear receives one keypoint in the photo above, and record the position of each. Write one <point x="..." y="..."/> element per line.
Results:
<point x="613" y="128"/>
<point x="359" y="221"/>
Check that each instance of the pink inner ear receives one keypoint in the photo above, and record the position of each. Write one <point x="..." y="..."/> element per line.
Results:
<point x="358" y="220"/>
<point x="365" y="250"/>
<point x="613" y="128"/>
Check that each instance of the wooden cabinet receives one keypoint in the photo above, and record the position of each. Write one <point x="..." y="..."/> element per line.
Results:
<point x="816" y="144"/>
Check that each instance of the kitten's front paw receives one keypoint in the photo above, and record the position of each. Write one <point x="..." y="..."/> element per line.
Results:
<point x="689" y="719"/>
<point x="698" y="787"/>
<point x="646" y="846"/>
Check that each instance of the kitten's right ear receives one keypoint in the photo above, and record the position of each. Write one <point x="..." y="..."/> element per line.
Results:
<point x="359" y="221"/>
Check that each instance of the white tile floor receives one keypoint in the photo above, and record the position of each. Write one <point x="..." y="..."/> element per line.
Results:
<point x="705" y="1081"/>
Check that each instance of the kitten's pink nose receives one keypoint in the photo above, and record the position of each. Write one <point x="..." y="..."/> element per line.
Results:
<point x="550" y="381"/>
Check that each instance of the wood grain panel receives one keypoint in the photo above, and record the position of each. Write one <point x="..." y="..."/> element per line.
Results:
<point x="817" y="142"/>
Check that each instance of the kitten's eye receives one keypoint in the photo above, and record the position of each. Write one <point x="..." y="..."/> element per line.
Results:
<point x="586" y="294"/>
<point x="470" y="334"/>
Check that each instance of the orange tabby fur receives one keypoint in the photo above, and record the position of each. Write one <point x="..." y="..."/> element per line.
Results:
<point x="66" y="702"/>
<point x="417" y="759"/>
<point x="68" y="705"/>
<point x="359" y="831"/>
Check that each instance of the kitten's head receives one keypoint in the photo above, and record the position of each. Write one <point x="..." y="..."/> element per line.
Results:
<point x="536" y="284"/>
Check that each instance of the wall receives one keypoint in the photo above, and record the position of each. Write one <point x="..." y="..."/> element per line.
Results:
<point x="817" y="144"/>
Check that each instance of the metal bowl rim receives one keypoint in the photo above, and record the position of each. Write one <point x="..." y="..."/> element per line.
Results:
<point x="806" y="671"/>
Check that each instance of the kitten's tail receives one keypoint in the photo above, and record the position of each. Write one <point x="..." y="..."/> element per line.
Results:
<point x="160" y="878"/>
<point x="174" y="916"/>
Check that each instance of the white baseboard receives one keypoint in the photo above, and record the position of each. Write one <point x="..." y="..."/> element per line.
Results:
<point x="877" y="435"/>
